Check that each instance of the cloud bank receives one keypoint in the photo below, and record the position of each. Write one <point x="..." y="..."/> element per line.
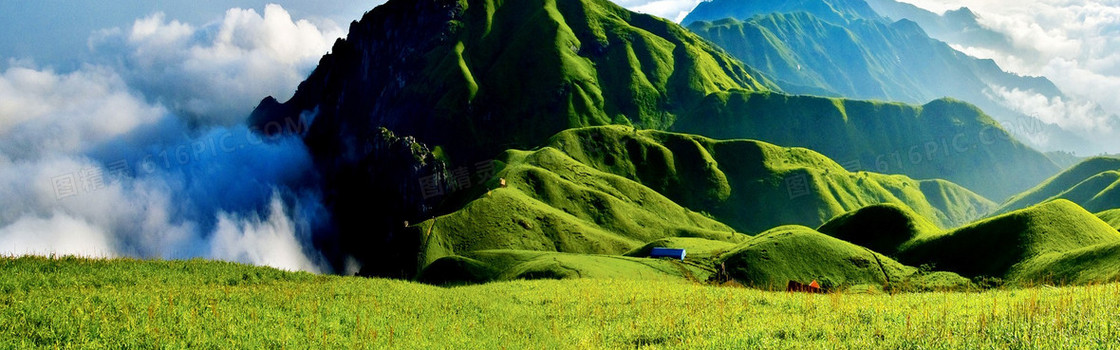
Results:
<point x="674" y="10"/>
<point x="1074" y="44"/>
<point x="143" y="152"/>
<point x="216" y="73"/>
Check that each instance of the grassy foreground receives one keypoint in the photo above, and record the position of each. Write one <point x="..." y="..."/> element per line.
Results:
<point x="71" y="302"/>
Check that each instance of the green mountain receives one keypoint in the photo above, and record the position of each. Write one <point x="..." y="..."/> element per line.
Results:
<point x="1093" y="184"/>
<point x="944" y="139"/>
<point x="797" y="253"/>
<point x="754" y="186"/>
<point x="837" y="11"/>
<point x="615" y="190"/>
<point x="406" y="113"/>
<point x="419" y="85"/>
<point x="1034" y="244"/>
<point x="823" y="47"/>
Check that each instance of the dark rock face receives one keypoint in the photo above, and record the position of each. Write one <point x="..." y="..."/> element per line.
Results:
<point x="371" y="176"/>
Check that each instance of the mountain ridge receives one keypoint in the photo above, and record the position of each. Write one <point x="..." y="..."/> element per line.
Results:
<point x="810" y="49"/>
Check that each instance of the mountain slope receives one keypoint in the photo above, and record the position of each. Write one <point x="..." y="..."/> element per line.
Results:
<point x="554" y="203"/>
<point x="960" y="26"/>
<point x="456" y="82"/>
<point x="754" y="186"/>
<point x="944" y="139"/>
<point x="1014" y="245"/>
<point x="800" y="254"/>
<point x="837" y="11"/>
<point x="613" y="190"/>
<point x="811" y="48"/>
<point x="1112" y="217"/>
<point x="1093" y="184"/>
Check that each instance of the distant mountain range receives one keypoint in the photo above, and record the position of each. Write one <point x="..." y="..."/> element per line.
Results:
<point x="844" y="48"/>
<point x="960" y="26"/>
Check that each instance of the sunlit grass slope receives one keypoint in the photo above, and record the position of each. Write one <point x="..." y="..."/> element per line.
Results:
<point x="78" y="303"/>
<point x="754" y="186"/>
<point x="1030" y="245"/>
<point x="797" y="253"/>
<point x="1093" y="184"/>
<point x="611" y="190"/>
<point x="1112" y="217"/>
<point x="943" y="139"/>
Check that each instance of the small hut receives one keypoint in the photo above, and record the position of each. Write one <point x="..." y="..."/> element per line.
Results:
<point x="672" y="253"/>
<point x="812" y="287"/>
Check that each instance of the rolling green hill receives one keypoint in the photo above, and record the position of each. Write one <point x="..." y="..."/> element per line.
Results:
<point x="882" y="228"/>
<point x="616" y="190"/>
<point x="945" y="139"/>
<point x="844" y="49"/>
<point x="1020" y="246"/>
<point x="554" y="203"/>
<point x="797" y="253"/>
<point x="1112" y="217"/>
<point x="1093" y="184"/>
<point x="754" y="186"/>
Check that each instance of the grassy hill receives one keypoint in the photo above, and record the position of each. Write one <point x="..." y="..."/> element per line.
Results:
<point x="81" y="303"/>
<point x="797" y="253"/>
<point x="611" y="190"/>
<point x="1112" y="217"/>
<point x="882" y="228"/>
<point x="754" y="186"/>
<point x="1015" y="246"/>
<point x="555" y="203"/>
<point x="1093" y="184"/>
<point x="943" y="139"/>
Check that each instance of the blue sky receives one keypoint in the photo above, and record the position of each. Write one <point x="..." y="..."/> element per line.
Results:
<point x="55" y="32"/>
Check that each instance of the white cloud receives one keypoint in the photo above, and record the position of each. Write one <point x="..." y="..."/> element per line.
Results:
<point x="42" y="112"/>
<point x="1075" y="44"/>
<point x="215" y="74"/>
<point x="1081" y="116"/>
<point x="674" y="10"/>
<point x="93" y="164"/>
<point x="269" y="242"/>
<point x="59" y="234"/>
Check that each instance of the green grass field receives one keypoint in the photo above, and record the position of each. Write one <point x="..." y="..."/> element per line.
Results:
<point x="80" y="303"/>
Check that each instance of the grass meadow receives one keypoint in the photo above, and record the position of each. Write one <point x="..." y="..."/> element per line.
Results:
<point x="83" y="303"/>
